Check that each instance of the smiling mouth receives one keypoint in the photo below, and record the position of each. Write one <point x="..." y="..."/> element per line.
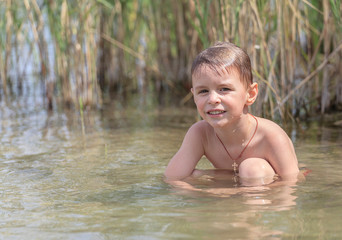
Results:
<point x="215" y="112"/>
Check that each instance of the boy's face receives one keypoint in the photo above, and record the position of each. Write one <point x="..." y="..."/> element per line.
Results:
<point x="221" y="99"/>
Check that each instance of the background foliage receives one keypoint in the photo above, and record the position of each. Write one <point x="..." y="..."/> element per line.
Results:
<point x="86" y="52"/>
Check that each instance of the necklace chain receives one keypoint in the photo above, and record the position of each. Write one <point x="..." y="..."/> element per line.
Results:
<point x="234" y="165"/>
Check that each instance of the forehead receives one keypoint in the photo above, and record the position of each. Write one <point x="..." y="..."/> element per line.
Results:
<point x="206" y="71"/>
<point x="218" y="72"/>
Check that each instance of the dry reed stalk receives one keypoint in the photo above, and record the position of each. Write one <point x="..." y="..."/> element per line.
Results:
<point x="91" y="60"/>
<point x="308" y="56"/>
<point x="193" y="37"/>
<point x="81" y="67"/>
<point x="265" y="49"/>
<point x="150" y="66"/>
<point x="338" y="91"/>
<point x="39" y="15"/>
<point x="121" y="38"/>
<point x="241" y="23"/>
<point x="316" y="51"/>
<point x="291" y="47"/>
<point x="325" y="99"/>
<point x="164" y="56"/>
<point x="214" y="31"/>
<point x="2" y="75"/>
<point x="313" y="7"/>
<point x="224" y="13"/>
<point x="9" y="23"/>
<point x="315" y="85"/>
<point x="311" y="75"/>
<point x="122" y="46"/>
<point x="64" y="56"/>
<point x="235" y="17"/>
<point x="77" y="63"/>
<point x="268" y="85"/>
<point x="298" y="15"/>
<point x="36" y="36"/>
<point x="190" y="46"/>
<point x="49" y="85"/>
<point x="257" y="66"/>
<point x="180" y="39"/>
<point x="280" y="7"/>
<point x="78" y="68"/>
<point x="106" y="52"/>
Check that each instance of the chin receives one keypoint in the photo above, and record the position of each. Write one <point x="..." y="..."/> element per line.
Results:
<point x="218" y="124"/>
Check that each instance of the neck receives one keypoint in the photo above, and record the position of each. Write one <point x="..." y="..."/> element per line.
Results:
<point x="239" y="131"/>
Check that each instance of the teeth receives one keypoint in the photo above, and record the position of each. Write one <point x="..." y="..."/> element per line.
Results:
<point x="215" y="112"/>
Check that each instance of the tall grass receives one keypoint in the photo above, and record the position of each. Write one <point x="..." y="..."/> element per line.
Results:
<point x="107" y="48"/>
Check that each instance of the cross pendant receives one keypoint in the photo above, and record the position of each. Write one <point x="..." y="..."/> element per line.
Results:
<point x="234" y="165"/>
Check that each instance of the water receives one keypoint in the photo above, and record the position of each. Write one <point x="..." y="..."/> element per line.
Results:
<point x="59" y="180"/>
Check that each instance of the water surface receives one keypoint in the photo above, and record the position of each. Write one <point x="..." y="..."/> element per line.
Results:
<point x="100" y="177"/>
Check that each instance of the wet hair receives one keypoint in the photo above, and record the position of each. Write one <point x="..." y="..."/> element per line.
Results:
<point x="225" y="56"/>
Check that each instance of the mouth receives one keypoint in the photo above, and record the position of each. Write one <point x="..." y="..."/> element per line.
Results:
<point x="215" y="112"/>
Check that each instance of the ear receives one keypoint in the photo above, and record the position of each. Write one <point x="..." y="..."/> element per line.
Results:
<point x="252" y="94"/>
<point x="193" y="95"/>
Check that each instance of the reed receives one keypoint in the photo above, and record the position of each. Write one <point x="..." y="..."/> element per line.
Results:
<point x="8" y="45"/>
<point x="109" y="48"/>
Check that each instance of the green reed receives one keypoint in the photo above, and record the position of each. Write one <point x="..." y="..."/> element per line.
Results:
<point x="107" y="48"/>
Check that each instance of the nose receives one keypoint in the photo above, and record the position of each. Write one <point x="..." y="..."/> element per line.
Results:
<point x="214" y="98"/>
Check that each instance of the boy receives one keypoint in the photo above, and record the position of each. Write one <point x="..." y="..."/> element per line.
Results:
<point x="230" y="137"/>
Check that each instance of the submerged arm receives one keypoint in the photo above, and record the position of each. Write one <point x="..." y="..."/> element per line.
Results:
<point x="183" y="163"/>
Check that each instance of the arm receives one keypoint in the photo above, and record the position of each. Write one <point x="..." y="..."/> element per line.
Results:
<point x="281" y="153"/>
<point x="185" y="160"/>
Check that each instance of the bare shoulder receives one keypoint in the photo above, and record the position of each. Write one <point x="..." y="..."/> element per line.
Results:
<point x="201" y="130"/>
<point x="265" y="123"/>
<point x="272" y="131"/>
<point x="200" y="126"/>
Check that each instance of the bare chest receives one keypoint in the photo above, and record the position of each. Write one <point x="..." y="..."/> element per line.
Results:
<point x="218" y="156"/>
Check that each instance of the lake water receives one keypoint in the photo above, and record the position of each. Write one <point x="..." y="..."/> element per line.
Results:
<point x="62" y="177"/>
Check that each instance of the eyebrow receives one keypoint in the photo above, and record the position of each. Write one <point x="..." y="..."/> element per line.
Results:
<point x="220" y="85"/>
<point x="200" y="86"/>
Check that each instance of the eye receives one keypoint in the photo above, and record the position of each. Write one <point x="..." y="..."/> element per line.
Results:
<point x="225" y="89"/>
<point x="202" y="91"/>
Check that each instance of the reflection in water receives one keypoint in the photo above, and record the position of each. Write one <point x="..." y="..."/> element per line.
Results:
<point x="106" y="183"/>
<point x="238" y="212"/>
<point x="279" y="195"/>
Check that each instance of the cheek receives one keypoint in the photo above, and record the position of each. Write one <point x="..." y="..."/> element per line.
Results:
<point x="198" y="101"/>
<point x="199" y="105"/>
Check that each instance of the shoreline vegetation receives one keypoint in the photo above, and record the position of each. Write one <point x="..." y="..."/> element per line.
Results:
<point x="87" y="52"/>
